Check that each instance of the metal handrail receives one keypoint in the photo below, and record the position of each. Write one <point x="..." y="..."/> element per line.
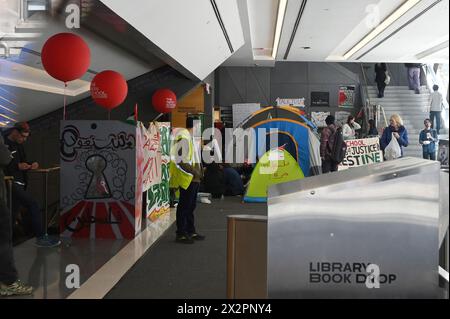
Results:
<point x="378" y="111"/>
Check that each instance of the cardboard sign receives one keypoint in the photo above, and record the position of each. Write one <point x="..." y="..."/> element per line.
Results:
<point x="152" y="156"/>
<point x="158" y="201"/>
<point x="101" y="179"/>
<point x="362" y="152"/>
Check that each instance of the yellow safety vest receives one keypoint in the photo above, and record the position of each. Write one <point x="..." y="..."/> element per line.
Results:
<point x="178" y="176"/>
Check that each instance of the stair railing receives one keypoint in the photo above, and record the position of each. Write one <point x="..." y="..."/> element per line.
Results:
<point x="372" y="111"/>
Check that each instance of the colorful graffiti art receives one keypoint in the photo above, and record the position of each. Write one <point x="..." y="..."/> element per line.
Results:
<point x="101" y="174"/>
<point x="158" y="202"/>
<point x="152" y="156"/>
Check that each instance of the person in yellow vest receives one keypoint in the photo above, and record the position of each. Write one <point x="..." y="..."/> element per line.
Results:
<point x="185" y="175"/>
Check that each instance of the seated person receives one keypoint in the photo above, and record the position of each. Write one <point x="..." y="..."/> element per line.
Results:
<point x="213" y="180"/>
<point x="233" y="182"/>
<point x="18" y="168"/>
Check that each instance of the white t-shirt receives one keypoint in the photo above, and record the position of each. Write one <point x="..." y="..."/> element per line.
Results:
<point x="349" y="132"/>
<point x="436" y="102"/>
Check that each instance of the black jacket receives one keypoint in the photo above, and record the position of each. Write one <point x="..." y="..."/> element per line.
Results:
<point x="18" y="156"/>
<point x="380" y="72"/>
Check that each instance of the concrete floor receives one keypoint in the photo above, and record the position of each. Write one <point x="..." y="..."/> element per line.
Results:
<point x="172" y="270"/>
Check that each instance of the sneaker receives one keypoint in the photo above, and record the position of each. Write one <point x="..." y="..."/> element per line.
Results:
<point x="182" y="239"/>
<point x="15" y="289"/>
<point x="47" y="242"/>
<point x="196" y="236"/>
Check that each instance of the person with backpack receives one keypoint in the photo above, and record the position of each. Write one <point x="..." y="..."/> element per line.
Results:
<point x="397" y="130"/>
<point x="332" y="146"/>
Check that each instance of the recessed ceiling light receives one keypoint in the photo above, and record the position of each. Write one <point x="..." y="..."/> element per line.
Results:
<point x="399" y="12"/>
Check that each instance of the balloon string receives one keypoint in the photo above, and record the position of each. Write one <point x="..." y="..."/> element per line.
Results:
<point x="65" y="100"/>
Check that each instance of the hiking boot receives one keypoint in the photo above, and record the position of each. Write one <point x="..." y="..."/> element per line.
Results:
<point x="47" y="242"/>
<point x="196" y="236"/>
<point x="183" y="239"/>
<point x="15" y="289"/>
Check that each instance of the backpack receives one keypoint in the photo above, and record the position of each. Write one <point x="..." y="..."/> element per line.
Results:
<point x="339" y="148"/>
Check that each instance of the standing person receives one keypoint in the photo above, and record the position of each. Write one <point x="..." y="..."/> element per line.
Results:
<point x="428" y="138"/>
<point x="400" y="133"/>
<point x="380" y="78"/>
<point x="435" y="108"/>
<point x="414" y="76"/>
<point x="372" y="128"/>
<point x="186" y="174"/>
<point x="9" y="282"/>
<point x="349" y="129"/>
<point x="326" y="144"/>
<point x="18" y="168"/>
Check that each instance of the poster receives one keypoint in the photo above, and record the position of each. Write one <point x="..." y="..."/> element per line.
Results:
<point x="242" y="111"/>
<point x="158" y="202"/>
<point x="346" y="96"/>
<point x="362" y="152"/>
<point x="152" y="156"/>
<point x="318" y="118"/>
<point x="298" y="102"/>
<point x="341" y="117"/>
<point x="320" y="98"/>
<point x="101" y="179"/>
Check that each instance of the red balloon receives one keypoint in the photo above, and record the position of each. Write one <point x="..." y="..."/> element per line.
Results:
<point x="66" y="57"/>
<point x="109" y="89"/>
<point x="164" y="101"/>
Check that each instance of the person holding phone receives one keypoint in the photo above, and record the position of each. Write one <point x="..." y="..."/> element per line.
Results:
<point x="428" y="138"/>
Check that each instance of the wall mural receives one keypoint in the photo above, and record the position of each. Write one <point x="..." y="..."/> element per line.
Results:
<point x="101" y="179"/>
<point x="158" y="202"/>
<point x="152" y="155"/>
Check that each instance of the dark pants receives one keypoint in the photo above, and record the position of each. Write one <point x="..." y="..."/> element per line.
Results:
<point x="435" y="115"/>
<point x="329" y="165"/>
<point x="20" y="197"/>
<point x="8" y="272"/>
<point x="185" y="209"/>
<point x="381" y="86"/>
<point x="429" y="155"/>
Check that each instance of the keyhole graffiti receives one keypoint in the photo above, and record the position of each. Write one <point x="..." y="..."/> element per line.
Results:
<point x="98" y="186"/>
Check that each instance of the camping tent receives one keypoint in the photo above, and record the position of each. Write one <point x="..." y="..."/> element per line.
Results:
<point x="294" y="132"/>
<point x="281" y="112"/>
<point x="274" y="167"/>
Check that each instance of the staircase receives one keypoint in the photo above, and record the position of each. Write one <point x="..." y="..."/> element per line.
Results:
<point x="411" y="108"/>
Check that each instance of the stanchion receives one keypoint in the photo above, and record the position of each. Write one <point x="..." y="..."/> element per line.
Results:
<point x="9" y="180"/>
<point x="46" y="171"/>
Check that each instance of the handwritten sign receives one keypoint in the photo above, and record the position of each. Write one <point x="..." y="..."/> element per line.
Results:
<point x="152" y="156"/>
<point x="298" y="102"/>
<point x="318" y="118"/>
<point x="158" y="202"/>
<point x="362" y="152"/>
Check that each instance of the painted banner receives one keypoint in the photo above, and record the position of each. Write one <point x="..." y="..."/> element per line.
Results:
<point x="152" y="156"/>
<point x="158" y="202"/>
<point x="101" y="179"/>
<point x="298" y="102"/>
<point x="243" y="111"/>
<point x="362" y="152"/>
<point x="341" y="117"/>
<point x="346" y="96"/>
<point x="318" y="118"/>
